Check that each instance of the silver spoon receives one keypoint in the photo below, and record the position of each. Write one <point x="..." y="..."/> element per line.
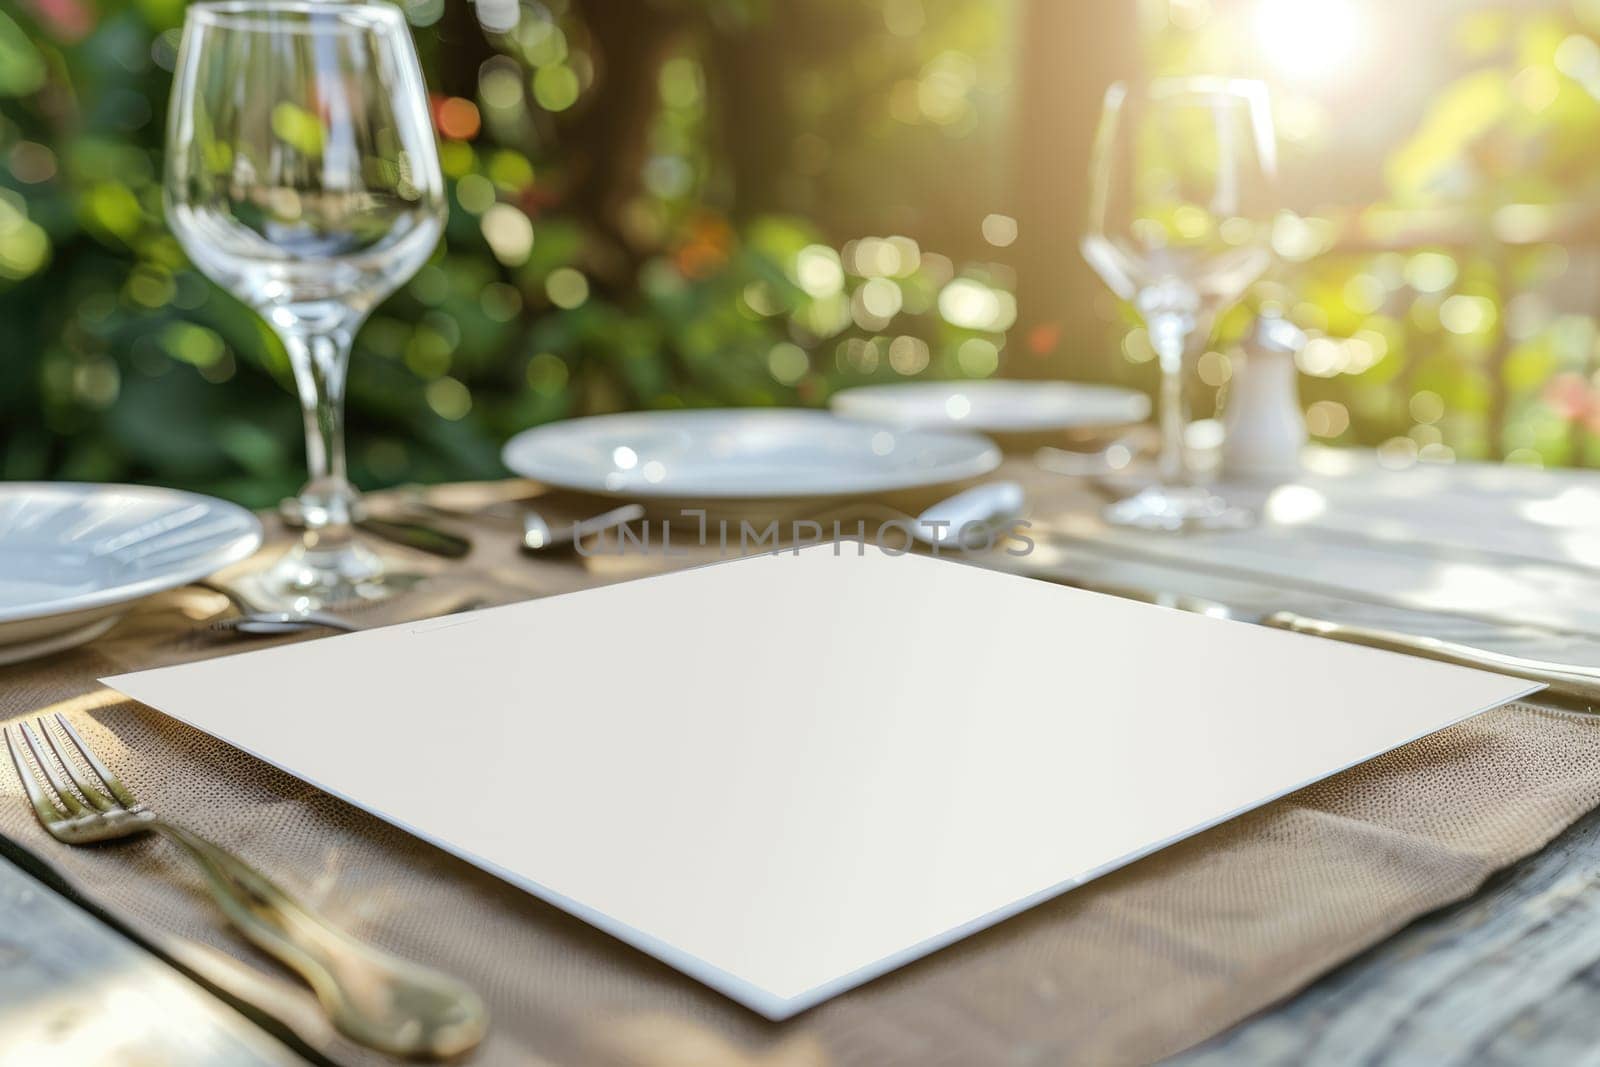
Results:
<point x="991" y="509"/>
<point x="284" y="622"/>
<point x="539" y="536"/>
<point x="252" y="619"/>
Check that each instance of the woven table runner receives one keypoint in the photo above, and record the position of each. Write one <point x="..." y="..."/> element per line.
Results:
<point x="1134" y="966"/>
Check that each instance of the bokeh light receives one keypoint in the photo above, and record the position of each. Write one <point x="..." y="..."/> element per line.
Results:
<point x="1311" y="39"/>
<point x="662" y="231"/>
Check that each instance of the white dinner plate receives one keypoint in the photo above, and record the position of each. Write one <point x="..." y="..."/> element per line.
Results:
<point x="995" y="406"/>
<point x="74" y="556"/>
<point x="761" y="453"/>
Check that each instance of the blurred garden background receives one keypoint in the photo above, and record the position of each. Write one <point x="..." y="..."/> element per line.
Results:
<point x="661" y="203"/>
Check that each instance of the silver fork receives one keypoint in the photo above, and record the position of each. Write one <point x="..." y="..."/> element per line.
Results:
<point x="380" y="1000"/>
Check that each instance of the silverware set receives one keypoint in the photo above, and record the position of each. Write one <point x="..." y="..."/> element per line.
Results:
<point x="992" y="509"/>
<point x="382" y="1001"/>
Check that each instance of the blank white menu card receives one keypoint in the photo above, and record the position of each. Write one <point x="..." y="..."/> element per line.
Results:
<point x="787" y="774"/>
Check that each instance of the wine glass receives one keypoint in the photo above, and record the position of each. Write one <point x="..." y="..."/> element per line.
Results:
<point x="303" y="177"/>
<point x="1180" y="212"/>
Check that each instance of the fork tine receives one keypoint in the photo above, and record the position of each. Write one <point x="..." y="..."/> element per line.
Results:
<point x="113" y="783"/>
<point x="48" y="813"/>
<point x="63" y="792"/>
<point x="70" y="765"/>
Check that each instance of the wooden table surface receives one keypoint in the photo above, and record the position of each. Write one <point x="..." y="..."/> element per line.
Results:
<point x="73" y="990"/>
<point x="1502" y="559"/>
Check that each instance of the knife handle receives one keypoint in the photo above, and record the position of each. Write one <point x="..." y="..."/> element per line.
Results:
<point x="429" y="539"/>
<point x="1578" y="685"/>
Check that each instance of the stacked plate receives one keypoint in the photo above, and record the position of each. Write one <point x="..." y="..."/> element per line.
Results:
<point x="74" y="557"/>
<point x="1019" y="414"/>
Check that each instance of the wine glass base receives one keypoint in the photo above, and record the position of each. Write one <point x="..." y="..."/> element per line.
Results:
<point x="1175" y="509"/>
<point x="305" y="579"/>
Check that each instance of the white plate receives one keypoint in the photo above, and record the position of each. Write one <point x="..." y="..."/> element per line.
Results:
<point x="995" y="406"/>
<point x="742" y="455"/>
<point x="73" y="556"/>
<point x="61" y="641"/>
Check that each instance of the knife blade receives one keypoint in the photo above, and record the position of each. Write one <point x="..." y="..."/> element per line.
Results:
<point x="408" y="534"/>
<point x="1573" y="685"/>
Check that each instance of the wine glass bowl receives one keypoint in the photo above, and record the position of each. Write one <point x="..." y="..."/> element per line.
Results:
<point x="302" y="176"/>
<point x="1181" y="209"/>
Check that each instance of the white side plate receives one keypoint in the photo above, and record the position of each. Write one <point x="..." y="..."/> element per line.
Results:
<point x="74" y="555"/>
<point x="742" y="454"/>
<point x="995" y="406"/>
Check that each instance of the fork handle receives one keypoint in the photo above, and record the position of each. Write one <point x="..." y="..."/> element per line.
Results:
<point x="379" y="1000"/>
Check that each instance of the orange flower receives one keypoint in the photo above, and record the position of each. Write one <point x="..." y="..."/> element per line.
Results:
<point x="456" y="117"/>
<point x="1043" y="338"/>
<point x="707" y="247"/>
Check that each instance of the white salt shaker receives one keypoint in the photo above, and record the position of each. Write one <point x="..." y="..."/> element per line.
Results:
<point x="1264" y="424"/>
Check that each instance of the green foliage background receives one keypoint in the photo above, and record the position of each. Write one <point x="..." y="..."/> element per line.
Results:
<point x="719" y="193"/>
<point x="1454" y="317"/>
<point x="684" y="252"/>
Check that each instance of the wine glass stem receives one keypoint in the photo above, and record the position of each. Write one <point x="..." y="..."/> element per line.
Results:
<point x="328" y="501"/>
<point x="1169" y="335"/>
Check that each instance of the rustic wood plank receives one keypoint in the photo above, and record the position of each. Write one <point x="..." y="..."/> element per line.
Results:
<point x="72" y="990"/>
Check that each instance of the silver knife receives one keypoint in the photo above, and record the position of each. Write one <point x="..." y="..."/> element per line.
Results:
<point x="1574" y="685"/>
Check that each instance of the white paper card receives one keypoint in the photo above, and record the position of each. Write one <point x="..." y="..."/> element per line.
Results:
<point x="787" y="774"/>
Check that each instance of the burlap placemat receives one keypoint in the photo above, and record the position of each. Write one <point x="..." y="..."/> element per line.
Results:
<point x="1139" y="964"/>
